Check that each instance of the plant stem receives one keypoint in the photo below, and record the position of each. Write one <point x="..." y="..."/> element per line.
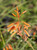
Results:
<point x="30" y="45"/>
<point x="2" y="38"/>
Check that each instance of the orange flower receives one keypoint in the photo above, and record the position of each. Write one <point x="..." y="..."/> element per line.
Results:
<point x="13" y="14"/>
<point x="20" y="33"/>
<point x="13" y="33"/>
<point x="3" y="48"/>
<point x="25" y="27"/>
<point x="26" y="32"/>
<point x="23" y="13"/>
<point x="36" y="27"/>
<point x="10" y="24"/>
<point x="15" y="11"/>
<point x="25" y="37"/>
<point x="19" y="27"/>
<point x="26" y="23"/>
<point x="15" y="27"/>
<point x="11" y="28"/>
<point x="34" y="34"/>
<point x="8" y="48"/>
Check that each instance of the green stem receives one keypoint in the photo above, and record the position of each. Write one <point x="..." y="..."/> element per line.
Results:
<point x="2" y="38"/>
<point x="30" y="45"/>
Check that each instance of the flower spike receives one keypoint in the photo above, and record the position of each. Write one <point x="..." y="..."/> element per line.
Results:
<point x="17" y="11"/>
<point x="17" y="27"/>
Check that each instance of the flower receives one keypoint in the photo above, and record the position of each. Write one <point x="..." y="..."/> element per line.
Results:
<point x="9" y="47"/>
<point x="17" y="27"/>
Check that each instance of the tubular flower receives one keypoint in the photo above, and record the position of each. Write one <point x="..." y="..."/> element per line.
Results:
<point x="34" y="33"/>
<point x="9" y="47"/>
<point x="17" y="27"/>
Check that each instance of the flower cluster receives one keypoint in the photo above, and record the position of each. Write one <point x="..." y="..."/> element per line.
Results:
<point x="19" y="27"/>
